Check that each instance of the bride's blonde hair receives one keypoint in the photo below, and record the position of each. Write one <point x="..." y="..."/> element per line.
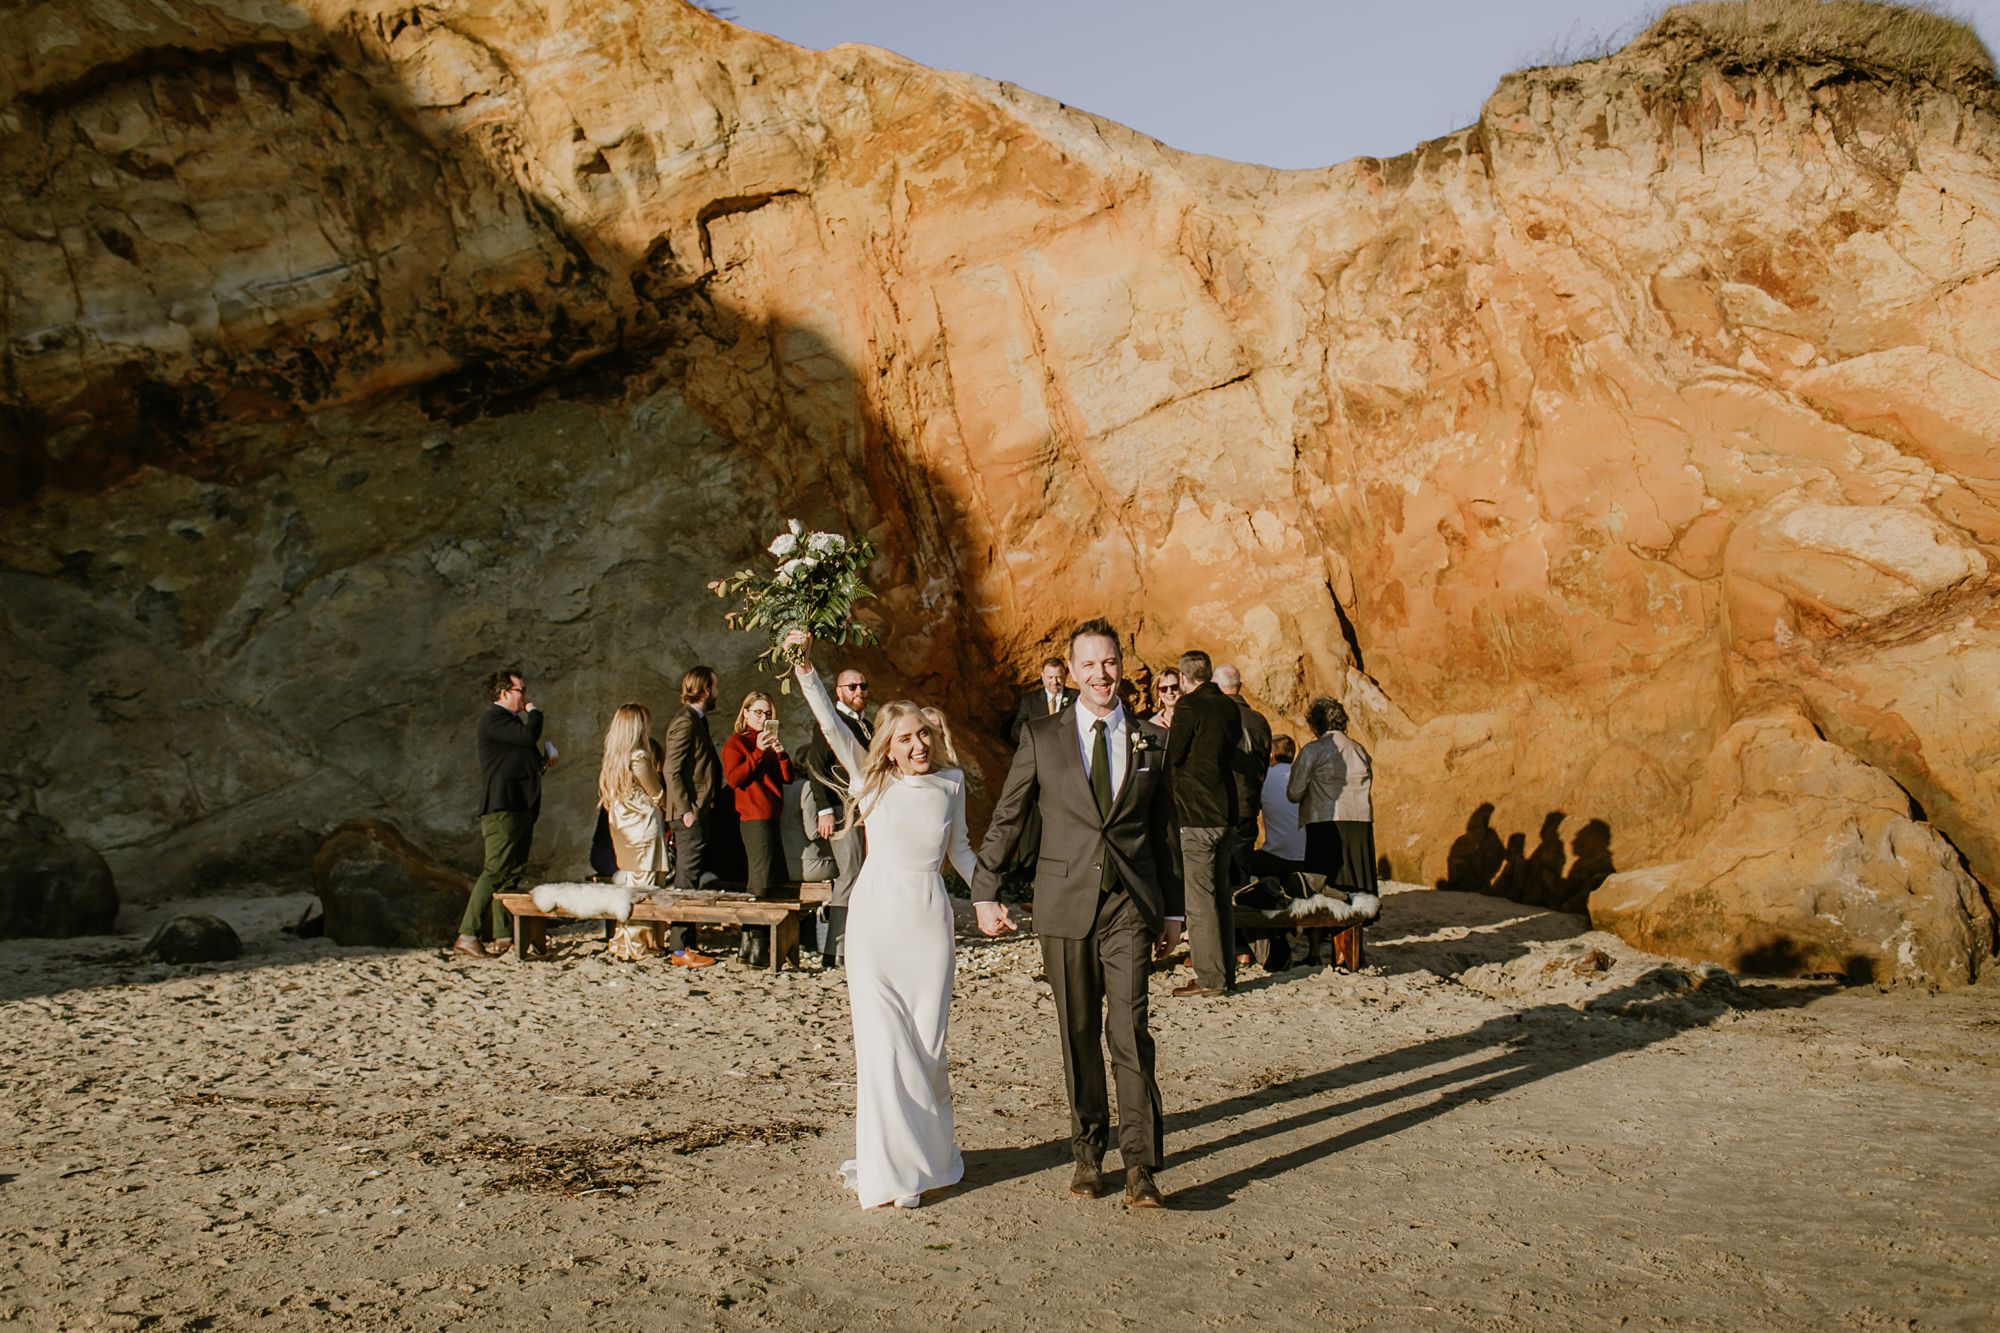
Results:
<point x="878" y="770"/>
<point x="631" y="727"/>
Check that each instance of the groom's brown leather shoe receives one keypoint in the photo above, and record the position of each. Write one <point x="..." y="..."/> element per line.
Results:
<point x="1087" y="1182"/>
<point x="1188" y="988"/>
<point x="1140" y="1191"/>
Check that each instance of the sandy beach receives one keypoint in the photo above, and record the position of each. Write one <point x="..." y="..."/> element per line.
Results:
<point x="1505" y="1122"/>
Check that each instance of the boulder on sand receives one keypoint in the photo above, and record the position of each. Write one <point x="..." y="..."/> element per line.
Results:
<point x="378" y="887"/>
<point x="50" y="886"/>
<point x="198" y="938"/>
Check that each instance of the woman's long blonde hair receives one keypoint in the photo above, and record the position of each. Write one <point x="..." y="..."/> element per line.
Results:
<point x="878" y="770"/>
<point x="631" y="727"/>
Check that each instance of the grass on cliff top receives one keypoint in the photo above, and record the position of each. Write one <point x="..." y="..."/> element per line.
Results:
<point x="1907" y="39"/>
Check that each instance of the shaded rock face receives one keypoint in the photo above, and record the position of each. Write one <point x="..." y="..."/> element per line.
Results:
<point x="354" y="350"/>
<point x="50" y="886"/>
<point x="195" y="939"/>
<point x="378" y="888"/>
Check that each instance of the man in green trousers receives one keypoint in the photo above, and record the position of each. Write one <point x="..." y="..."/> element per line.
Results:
<point x="511" y="762"/>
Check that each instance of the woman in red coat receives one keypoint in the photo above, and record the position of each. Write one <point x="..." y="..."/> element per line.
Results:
<point x="756" y="768"/>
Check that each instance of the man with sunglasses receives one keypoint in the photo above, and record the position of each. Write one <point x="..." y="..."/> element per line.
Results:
<point x="828" y="779"/>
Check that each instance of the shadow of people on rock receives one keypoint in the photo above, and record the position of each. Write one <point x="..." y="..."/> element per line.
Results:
<point x="1512" y="880"/>
<point x="1542" y="882"/>
<point x="1590" y="865"/>
<point x="1475" y="855"/>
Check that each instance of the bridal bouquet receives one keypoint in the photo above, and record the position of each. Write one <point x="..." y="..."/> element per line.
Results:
<point x="815" y="587"/>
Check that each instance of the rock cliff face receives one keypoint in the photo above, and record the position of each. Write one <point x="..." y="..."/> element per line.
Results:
<point x="352" y="348"/>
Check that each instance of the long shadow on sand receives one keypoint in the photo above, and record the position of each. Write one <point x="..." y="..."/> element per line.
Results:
<point x="1380" y="1095"/>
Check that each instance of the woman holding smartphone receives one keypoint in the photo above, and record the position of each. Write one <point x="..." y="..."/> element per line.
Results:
<point x="756" y="769"/>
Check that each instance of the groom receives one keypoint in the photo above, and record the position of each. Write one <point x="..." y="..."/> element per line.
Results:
<point x="1105" y="889"/>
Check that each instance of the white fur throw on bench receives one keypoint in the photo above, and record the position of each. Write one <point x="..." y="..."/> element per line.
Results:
<point x="584" y="900"/>
<point x="1363" y="907"/>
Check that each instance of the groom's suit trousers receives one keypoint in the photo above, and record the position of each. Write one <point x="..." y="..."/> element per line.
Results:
<point x="1100" y="993"/>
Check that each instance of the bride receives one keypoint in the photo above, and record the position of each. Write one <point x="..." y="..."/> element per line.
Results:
<point x="908" y="790"/>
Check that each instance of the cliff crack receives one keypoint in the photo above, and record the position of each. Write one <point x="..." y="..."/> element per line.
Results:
<point x="729" y="206"/>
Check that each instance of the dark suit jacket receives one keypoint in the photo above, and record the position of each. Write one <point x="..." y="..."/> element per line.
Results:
<point x="1205" y="742"/>
<point x="1253" y="760"/>
<point x="693" y="768"/>
<point x="1034" y="704"/>
<point x="826" y="775"/>
<point x="510" y="760"/>
<point x="1048" y="776"/>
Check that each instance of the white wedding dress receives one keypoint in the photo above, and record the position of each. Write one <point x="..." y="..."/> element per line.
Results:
<point x="900" y="959"/>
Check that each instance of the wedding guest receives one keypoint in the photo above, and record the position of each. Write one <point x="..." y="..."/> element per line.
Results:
<point x="629" y="794"/>
<point x="511" y="760"/>
<point x="694" y="780"/>
<point x="1046" y="700"/>
<point x="1331" y="782"/>
<point x="829" y="778"/>
<point x="756" y="769"/>
<point x="1284" y="847"/>
<point x="808" y="857"/>
<point x="1169" y="690"/>
<point x="1202" y="746"/>
<point x="1253" y="760"/>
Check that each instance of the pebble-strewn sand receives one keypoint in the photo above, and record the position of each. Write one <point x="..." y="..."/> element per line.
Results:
<point x="1482" y="1131"/>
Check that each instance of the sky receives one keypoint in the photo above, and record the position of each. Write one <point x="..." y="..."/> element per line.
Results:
<point x="1286" y="83"/>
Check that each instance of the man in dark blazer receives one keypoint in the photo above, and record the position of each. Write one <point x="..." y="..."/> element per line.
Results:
<point x="693" y="773"/>
<point x="510" y="767"/>
<point x="1253" y="761"/>
<point x="1205" y="744"/>
<point x="827" y="779"/>
<point x="1105" y="889"/>
<point x="1045" y="700"/>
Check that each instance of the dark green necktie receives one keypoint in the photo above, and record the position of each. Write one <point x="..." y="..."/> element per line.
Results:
<point x="1100" y="787"/>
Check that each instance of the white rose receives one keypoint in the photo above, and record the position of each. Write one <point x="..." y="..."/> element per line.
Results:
<point x="791" y="567"/>
<point x="826" y="543"/>
<point x="785" y="544"/>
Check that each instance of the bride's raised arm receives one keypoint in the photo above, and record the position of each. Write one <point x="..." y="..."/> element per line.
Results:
<point x="845" y="748"/>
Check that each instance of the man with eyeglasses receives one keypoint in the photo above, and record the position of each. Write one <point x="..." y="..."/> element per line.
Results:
<point x="511" y="760"/>
<point x="828" y="780"/>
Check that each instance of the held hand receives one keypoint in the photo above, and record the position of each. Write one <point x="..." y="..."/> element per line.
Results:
<point x="687" y="820"/>
<point x="993" y="918"/>
<point x="1170" y="937"/>
<point x="826" y="826"/>
<point x="800" y="643"/>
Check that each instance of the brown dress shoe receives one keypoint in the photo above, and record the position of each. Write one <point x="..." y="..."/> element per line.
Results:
<point x="1140" y="1191"/>
<point x="467" y="946"/>
<point x="1188" y="988"/>
<point x="499" y="947"/>
<point x="1087" y="1182"/>
<point x="691" y="958"/>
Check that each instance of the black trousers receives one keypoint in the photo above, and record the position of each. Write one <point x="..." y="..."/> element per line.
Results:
<point x="690" y="848"/>
<point x="766" y="861"/>
<point x="1100" y="991"/>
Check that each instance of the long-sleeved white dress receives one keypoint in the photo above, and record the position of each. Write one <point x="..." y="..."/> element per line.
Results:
<point x="900" y="960"/>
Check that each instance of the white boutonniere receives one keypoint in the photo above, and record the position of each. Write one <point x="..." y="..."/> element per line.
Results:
<point x="1141" y="742"/>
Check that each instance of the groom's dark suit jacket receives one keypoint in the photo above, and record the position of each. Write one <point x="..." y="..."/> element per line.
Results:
<point x="1049" y="776"/>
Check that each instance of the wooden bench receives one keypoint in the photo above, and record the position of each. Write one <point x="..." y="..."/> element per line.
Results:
<point x="723" y="906"/>
<point x="1346" y="938"/>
